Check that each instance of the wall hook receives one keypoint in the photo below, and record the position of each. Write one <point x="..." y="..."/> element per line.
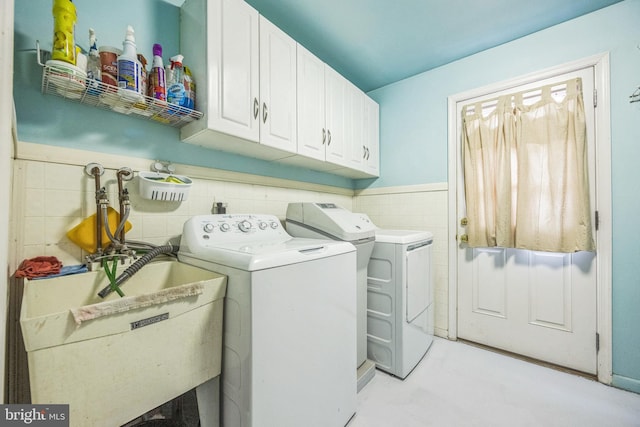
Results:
<point x="159" y="166"/>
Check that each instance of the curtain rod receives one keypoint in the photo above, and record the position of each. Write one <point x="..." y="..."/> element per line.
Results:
<point x="556" y="90"/>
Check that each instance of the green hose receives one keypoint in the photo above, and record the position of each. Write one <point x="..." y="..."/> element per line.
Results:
<point x="111" y="275"/>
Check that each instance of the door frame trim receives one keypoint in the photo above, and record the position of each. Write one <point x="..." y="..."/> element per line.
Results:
<point x="602" y="204"/>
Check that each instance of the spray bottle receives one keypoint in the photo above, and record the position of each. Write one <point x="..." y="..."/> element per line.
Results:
<point x="189" y="89"/>
<point x="129" y="69"/>
<point x="175" y="89"/>
<point x="93" y="65"/>
<point x="157" y="79"/>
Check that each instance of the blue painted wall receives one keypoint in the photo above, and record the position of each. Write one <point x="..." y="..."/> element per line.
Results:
<point x="414" y="138"/>
<point x="413" y="119"/>
<point x="52" y="120"/>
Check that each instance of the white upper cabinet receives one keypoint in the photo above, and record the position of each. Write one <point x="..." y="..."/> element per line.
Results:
<point x="265" y="96"/>
<point x="354" y="127"/>
<point x="321" y="110"/>
<point x="278" y="124"/>
<point x="312" y="132"/>
<point x="222" y="53"/>
<point x="371" y="147"/>
<point x="243" y="103"/>
<point x="335" y="87"/>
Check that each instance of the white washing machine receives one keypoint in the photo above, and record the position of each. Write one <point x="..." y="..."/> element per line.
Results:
<point x="289" y="321"/>
<point x="400" y="292"/>
<point x="328" y="220"/>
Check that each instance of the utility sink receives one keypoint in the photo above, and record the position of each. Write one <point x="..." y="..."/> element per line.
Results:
<point x="112" y="360"/>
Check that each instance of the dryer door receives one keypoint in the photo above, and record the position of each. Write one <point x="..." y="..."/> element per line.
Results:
<point x="418" y="279"/>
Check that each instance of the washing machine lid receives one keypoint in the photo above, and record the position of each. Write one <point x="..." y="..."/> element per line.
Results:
<point x="331" y="220"/>
<point x="402" y="236"/>
<point x="263" y="255"/>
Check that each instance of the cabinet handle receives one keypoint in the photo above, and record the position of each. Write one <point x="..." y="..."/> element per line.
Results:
<point x="329" y="139"/>
<point x="264" y="113"/>
<point x="364" y="152"/>
<point x="256" y="108"/>
<point x="324" y="136"/>
<point x="368" y="153"/>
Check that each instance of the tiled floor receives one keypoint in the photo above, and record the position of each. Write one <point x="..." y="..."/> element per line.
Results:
<point x="460" y="385"/>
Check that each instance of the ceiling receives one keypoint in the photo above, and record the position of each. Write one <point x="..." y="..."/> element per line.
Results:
<point x="377" y="42"/>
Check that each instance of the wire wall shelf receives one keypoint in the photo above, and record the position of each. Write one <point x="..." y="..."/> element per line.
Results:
<point x="69" y="82"/>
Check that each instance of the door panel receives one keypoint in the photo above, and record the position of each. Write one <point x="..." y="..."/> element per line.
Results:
<point x="489" y="284"/>
<point x="418" y="274"/>
<point x="311" y="105"/>
<point x="550" y="291"/>
<point x="238" y="59"/>
<point x="538" y="304"/>
<point x="277" y="88"/>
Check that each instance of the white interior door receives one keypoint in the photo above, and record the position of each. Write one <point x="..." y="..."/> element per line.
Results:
<point x="538" y="304"/>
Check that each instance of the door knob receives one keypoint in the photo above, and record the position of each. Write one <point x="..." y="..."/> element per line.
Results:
<point x="464" y="238"/>
<point x="464" y="222"/>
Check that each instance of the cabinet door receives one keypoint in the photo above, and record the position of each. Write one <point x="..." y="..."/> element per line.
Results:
<point x="233" y="42"/>
<point x="354" y="127"/>
<point x="277" y="88"/>
<point x="371" y="137"/>
<point x="311" y="108"/>
<point x="335" y="112"/>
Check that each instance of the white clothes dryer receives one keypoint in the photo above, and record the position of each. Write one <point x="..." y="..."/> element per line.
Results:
<point x="400" y="293"/>
<point x="289" y="321"/>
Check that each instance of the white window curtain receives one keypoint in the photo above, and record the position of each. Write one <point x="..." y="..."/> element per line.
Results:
<point x="525" y="171"/>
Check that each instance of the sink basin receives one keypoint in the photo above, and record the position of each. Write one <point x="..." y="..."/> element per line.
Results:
<point x="112" y="360"/>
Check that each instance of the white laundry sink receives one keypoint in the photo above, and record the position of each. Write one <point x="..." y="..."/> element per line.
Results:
<point x="112" y="360"/>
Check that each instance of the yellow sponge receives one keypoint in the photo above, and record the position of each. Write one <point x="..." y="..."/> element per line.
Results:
<point x="84" y="234"/>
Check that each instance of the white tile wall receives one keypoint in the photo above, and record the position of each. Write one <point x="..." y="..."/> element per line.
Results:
<point x="417" y="210"/>
<point x="52" y="198"/>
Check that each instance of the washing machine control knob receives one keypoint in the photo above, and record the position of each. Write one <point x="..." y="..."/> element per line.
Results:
<point x="208" y="227"/>
<point x="274" y="225"/>
<point x="262" y="225"/>
<point x="244" y="226"/>
<point x="224" y="227"/>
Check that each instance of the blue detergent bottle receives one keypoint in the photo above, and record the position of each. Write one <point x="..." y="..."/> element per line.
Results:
<point x="175" y="87"/>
